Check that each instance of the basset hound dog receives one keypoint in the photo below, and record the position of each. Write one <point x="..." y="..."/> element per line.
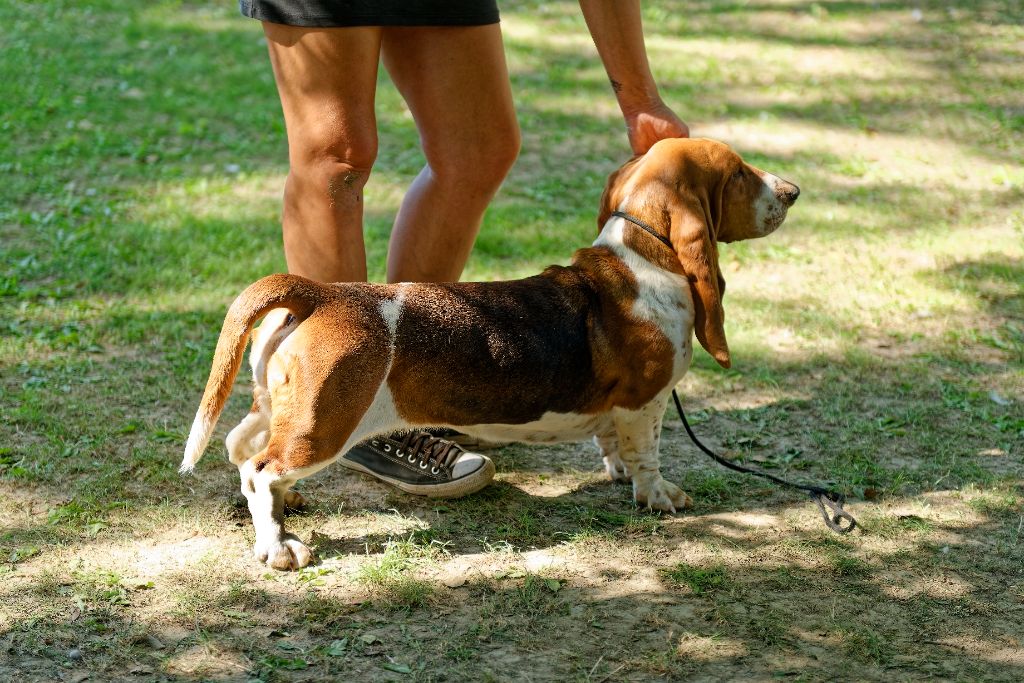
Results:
<point x="589" y="350"/>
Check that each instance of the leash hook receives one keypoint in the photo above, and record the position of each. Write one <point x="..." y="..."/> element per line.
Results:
<point x="839" y="515"/>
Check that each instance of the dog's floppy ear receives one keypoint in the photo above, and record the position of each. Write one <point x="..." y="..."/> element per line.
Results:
<point x="698" y="254"/>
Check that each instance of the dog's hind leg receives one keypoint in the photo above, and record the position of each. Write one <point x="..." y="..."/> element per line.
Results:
<point x="253" y="433"/>
<point x="608" y="445"/>
<point x="266" y="478"/>
<point x="251" y="436"/>
<point x="639" y="433"/>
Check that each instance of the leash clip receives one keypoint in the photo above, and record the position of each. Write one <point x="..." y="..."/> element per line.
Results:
<point x="838" y="516"/>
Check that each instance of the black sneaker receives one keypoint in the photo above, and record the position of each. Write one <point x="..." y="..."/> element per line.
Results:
<point x="420" y="463"/>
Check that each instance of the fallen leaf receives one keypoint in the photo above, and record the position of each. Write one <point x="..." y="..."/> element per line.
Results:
<point x="397" y="668"/>
<point x="337" y="647"/>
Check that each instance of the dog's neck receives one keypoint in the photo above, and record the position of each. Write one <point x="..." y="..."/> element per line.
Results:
<point x="663" y="296"/>
<point x="646" y="228"/>
<point x="613" y="237"/>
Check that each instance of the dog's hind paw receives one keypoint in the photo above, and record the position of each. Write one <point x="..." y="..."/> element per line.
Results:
<point x="616" y="469"/>
<point x="288" y="553"/>
<point x="662" y="495"/>
<point x="293" y="500"/>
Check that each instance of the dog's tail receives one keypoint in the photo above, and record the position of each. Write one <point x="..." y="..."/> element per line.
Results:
<point x="298" y="294"/>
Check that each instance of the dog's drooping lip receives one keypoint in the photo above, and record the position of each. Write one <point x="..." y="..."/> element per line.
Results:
<point x="593" y="347"/>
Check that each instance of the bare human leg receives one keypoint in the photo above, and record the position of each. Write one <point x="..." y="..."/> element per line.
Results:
<point x="327" y="79"/>
<point x="456" y="84"/>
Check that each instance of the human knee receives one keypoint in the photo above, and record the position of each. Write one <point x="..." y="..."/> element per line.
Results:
<point x="484" y="164"/>
<point x="334" y="164"/>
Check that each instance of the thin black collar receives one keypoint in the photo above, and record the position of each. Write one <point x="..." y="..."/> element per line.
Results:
<point x="640" y="224"/>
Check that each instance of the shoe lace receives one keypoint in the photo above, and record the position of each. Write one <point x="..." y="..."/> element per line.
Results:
<point x="430" y="449"/>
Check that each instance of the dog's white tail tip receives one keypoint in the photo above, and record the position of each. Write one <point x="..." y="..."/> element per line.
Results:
<point x="198" y="438"/>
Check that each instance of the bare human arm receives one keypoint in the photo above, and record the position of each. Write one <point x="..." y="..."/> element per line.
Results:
<point x="618" y="33"/>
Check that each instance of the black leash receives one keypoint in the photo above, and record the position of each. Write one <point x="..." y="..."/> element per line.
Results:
<point x="822" y="496"/>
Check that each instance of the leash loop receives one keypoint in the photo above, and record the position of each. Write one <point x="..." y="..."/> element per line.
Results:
<point x="822" y="496"/>
<point x="839" y="515"/>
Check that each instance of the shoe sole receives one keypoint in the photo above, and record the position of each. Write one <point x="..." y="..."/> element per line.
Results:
<point x="471" y="483"/>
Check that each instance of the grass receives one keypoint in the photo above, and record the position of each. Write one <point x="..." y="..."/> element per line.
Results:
<point x="390" y="577"/>
<point x="877" y="344"/>
<point x="699" y="580"/>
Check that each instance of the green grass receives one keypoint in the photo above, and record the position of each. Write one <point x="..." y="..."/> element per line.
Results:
<point x="390" y="578"/>
<point x="698" y="579"/>
<point x="877" y="346"/>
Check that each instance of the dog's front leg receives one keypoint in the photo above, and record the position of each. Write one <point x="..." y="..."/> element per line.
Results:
<point x="265" y="492"/>
<point x="639" y="433"/>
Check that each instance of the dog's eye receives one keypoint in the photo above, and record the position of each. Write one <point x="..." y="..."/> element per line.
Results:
<point x="738" y="174"/>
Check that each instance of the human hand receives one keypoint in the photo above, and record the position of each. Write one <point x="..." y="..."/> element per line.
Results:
<point x="647" y="126"/>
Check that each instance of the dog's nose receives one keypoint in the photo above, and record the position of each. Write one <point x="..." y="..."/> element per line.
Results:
<point x="788" y="193"/>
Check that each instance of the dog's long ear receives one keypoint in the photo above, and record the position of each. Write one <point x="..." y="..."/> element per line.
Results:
<point x="698" y="254"/>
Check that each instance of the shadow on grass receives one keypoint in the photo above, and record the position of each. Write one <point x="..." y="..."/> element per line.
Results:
<point x="815" y="606"/>
<point x="996" y="282"/>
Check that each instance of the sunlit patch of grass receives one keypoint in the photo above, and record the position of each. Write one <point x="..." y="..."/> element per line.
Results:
<point x="391" y="579"/>
<point x="517" y="596"/>
<point x="896" y="526"/>
<point x="866" y="644"/>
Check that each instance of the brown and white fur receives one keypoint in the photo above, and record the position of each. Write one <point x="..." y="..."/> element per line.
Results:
<point x="588" y="350"/>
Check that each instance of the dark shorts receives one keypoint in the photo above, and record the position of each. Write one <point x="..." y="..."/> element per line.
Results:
<point x="327" y="13"/>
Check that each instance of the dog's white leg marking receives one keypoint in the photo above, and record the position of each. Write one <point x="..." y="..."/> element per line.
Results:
<point x="265" y="493"/>
<point x="639" y="433"/>
<point x="608" y="445"/>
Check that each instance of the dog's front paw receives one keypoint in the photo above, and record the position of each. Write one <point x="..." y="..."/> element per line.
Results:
<point x="288" y="553"/>
<point x="661" y="495"/>
<point x="615" y="468"/>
